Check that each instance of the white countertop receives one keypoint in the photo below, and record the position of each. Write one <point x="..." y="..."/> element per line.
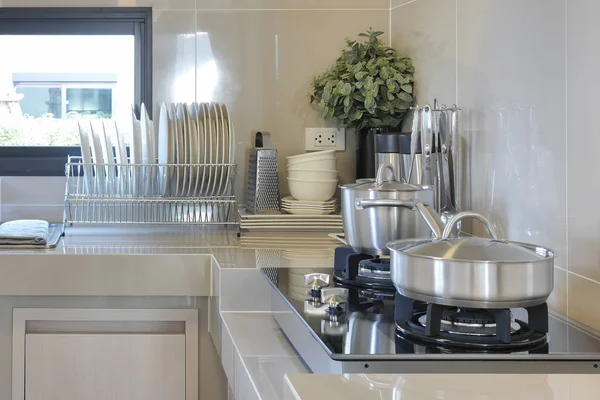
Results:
<point x="442" y="386"/>
<point x="178" y="261"/>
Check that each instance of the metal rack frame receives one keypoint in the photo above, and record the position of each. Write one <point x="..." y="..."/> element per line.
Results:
<point x="133" y="194"/>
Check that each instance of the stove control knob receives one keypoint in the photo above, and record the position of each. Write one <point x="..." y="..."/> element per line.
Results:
<point x="334" y="297"/>
<point x="316" y="281"/>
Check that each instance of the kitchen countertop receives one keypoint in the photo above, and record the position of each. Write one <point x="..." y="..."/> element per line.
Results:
<point x="182" y="261"/>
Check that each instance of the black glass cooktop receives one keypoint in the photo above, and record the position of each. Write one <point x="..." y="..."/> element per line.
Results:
<point x="369" y="322"/>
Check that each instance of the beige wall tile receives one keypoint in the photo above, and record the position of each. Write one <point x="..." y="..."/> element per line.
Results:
<point x="265" y="63"/>
<point x="558" y="299"/>
<point x="22" y="190"/>
<point x="514" y="111"/>
<point x="293" y="4"/>
<point x="401" y="3"/>
<point x="174" y="57"/>
<point x="158" y="4"/>
<point x="426" y="32"/>
<point x="584" y="297"/>
<point x="583" y="35"/>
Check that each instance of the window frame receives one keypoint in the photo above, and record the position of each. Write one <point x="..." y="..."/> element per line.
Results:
<point x="50" y="160"/>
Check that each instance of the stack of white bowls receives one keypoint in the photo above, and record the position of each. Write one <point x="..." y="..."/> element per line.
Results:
<point x="313" y="176"/>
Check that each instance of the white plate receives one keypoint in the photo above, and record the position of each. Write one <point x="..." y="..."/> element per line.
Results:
<point x="222" y="133"/>
<point x="109" y="159"/>
<point x="199" y="148"/>
<point x="204" y="143"/>
<point x="188" y="129"/>
<point x="231" y="147"/>
<point x="308" y="212"/>
<point x="175" y="126"/>
<point x="149" y="154"/>
<point x="210" y="149"/>
<point x="182" y="157"/>
<point x="110" y="130"/>
<point x="124" y="171"/>
<point x="86" y="158"/>
<point x="194" y="153"/>
<point x="166" y="150"/>
<point x="136" y="153"/>
<point x="98" y="158"/>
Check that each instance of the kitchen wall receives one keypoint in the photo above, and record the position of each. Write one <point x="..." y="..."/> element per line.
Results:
<point x="259" y="56"/>
<point x="525" y="74"/>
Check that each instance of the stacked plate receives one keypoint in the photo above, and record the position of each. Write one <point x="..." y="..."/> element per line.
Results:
<point x="299" y="207"/>
<point x="190" y="153"/>
<point x="197" y="141"/>
<point x="270" y="222"/>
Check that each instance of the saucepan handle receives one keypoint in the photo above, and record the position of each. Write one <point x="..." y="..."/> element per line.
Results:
<point x="470" y="214"/>
<point x="431" y="217"/>
<point x="361" y="204"/>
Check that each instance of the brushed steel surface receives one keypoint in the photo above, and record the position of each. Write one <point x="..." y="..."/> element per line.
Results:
<point x="375" y="214"/>
<point x="479" y="284"/>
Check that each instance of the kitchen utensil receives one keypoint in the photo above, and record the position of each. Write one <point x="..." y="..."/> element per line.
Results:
<point x="427" y="146"/>
<point x="448" y="206"/>
<point x="376" y="213"/>
<point x="472" y="272"/>
<point x="312" y="189"/>
<point x="414" y="138"/>
<point x="263" y="181"/>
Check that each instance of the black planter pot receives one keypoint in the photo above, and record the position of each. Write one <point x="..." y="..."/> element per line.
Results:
<point x="365" y="152"/>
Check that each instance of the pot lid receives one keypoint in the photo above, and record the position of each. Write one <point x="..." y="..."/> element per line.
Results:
<point x="386" y="183"/>
<point x="472" y="249"/>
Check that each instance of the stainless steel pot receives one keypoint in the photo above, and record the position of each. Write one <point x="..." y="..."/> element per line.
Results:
<point x="375" y="213"/>
<point x="471" y="271"/>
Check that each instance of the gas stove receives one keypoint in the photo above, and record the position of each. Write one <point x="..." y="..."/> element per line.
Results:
<point x="351" y="319"/>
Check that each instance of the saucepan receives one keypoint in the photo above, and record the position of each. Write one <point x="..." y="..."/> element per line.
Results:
<point x="472" y="272"/>
<point x="377" y="212"/>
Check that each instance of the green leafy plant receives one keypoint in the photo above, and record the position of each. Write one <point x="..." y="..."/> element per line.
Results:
<point x="370" y="85"/>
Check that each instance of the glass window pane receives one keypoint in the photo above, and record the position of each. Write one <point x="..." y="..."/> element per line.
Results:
<point x="48" y="81"/>
<point x="90" y="102"/>
<point x="40" y="101"/>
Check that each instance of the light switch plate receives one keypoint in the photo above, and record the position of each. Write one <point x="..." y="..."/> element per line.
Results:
<point x="325" y="139"/>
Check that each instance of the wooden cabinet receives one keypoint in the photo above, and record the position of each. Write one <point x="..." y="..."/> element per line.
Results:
<point x="73" y="354"/>
<point x="104" y="366"/>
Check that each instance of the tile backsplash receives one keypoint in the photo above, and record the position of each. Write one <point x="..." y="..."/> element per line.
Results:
<point x="524" y="73"/>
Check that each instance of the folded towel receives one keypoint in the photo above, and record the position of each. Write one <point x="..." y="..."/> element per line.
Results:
<point x="24" y="232"/>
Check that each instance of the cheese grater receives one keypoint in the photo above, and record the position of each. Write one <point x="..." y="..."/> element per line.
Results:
<point x="263" y="181"/>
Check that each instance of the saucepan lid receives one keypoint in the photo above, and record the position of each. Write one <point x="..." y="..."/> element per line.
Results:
<point x="386" y="181"/>
<point x="477" y="249"/>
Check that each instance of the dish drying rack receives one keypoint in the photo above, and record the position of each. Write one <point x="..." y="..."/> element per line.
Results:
<point x="153" y="194"/>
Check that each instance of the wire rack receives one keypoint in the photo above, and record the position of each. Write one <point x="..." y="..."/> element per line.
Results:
<point x="158" y="194"/>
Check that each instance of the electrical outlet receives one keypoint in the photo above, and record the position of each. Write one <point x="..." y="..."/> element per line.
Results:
<point x="325" y="139"/>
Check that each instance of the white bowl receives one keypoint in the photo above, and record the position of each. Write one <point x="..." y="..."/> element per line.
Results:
<point x="312" y="174"/>
<point x="312" y="190"/>
<point x="326" y="164"/>
<point x="312" y="156"/>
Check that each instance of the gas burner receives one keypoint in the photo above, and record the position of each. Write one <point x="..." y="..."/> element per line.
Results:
<point x="362" y="270"/>
<point x="471" y="329"/>
<point x="469" y="322"/>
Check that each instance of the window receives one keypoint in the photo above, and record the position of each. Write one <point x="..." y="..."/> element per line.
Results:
<point x="62" y="64"/>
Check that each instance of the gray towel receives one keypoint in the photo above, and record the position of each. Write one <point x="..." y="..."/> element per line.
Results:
<point x="24" y="232"/>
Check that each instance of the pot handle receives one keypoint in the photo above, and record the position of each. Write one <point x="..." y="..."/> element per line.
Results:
<point x="361" y="204"/>
<point x="470" y="214"/>
<point x="431" y="217"/>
